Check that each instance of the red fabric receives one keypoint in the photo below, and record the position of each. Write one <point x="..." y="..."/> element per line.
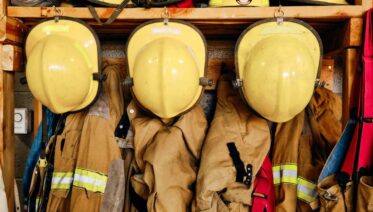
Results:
<point x="183" y="4"/>
<point x="366" y="101"/>
<point x="366" y="146"/>
<point x="263" y="184"/>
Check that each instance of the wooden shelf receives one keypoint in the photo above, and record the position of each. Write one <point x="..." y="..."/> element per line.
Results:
<point x="222" y="23"/>
<point x="228" y="14"/>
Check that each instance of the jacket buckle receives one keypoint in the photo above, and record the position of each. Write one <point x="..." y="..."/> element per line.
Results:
<point x="328" y="196"/>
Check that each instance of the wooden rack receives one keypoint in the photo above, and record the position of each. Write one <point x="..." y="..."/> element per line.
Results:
<point x="339" y="26"/>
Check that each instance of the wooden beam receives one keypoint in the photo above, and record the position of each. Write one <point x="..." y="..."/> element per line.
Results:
<point x="227" y="13"/>
<point x="12" y="30"/>
<point x="6" y="132"/>
<point x="343" y="35"/>
<point x="352" y="59"/>
<point x="12" y="58"/>
<point x="353" y="33"/>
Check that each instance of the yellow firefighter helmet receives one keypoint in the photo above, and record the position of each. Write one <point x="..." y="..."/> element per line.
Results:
<point x="276" y="66"/>
<point x="63" y="64"/>
<point x="167" y="64"/>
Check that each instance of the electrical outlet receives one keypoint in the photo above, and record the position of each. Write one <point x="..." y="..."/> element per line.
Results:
<point x="22" y="121"/>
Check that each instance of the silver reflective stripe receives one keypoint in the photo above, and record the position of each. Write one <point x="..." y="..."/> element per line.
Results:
<point x="62" y="180"/>
<point x="289" y="173"/>
<point x="305" y="190"/>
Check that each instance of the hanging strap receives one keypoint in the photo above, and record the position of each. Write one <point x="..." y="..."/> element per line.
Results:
<point x="112" y="17"/>
<point x="240" y="167"/>
<point x="237" y="162"/>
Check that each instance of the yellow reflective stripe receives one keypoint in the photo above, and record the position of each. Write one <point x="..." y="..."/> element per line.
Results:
<point x="37" y="201"/>
<point x="285" y="173"/>
<point x="92" y="181"/>
<point x="293" y="167"/>
<point x="62" y="180"/>
<point x="306" y="190"/>
<point x="289" y="180"/>
<point x="62" y="174"/>
<point x="61" y="186"/>
<point x="305" y="197"/>
<point x="91" y="174"/>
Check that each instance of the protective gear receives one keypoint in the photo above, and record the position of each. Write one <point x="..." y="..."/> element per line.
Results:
<point x="365" y="194"/>
<point x="63" y="67"/>
<point x="167" y="66"/>
<point x="237" y="140"/>
<point x="277" y="65"/>
<point x="238" y="3"/>
<point x="300" y="149"/>
<point x="86" y="150"/>
<point x="166" y="158"/>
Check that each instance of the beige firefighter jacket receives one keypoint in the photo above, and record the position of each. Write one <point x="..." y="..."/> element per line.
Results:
<point x="300" y="150"/>
<point x="85" y="150"/>
<point x="296" y="159"/>
<point x="217" y="189"/>
<point x="166" y="156"/>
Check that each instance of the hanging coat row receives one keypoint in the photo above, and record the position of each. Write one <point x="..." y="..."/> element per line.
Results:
<point x="271" y="134"/>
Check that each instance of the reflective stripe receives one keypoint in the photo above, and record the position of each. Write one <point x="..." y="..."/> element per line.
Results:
<point x="286" y="173"/>
<point x="306" y="190"/>
<point x="37" y="201"/>
<point x="62" y="180"/>
<point x="92" y="181"/>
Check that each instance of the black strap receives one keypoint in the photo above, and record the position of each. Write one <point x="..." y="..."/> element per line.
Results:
<point x="238" y="164"/>
<point x="137" y="201"/>
<point x="112" y="17"/>
<point x="99" y="77"/>
<point x="122" y="128"/>
<point x="44" y="132"/>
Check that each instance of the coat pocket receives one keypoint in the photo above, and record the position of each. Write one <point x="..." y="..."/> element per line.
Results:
<point x="331" y="196"/>
<point x="365" y="194"/>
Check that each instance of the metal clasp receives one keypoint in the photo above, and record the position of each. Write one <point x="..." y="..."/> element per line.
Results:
<point x="243" y="2"/>
<point x="57" y="14"/>
<point x="279" y="15"/>
<point x="319" y="83"/>
<point x="205" y="82"/>
<point x="165" y="15"/>
<point x="328" y="196"/>
<point x="237" y="83"/>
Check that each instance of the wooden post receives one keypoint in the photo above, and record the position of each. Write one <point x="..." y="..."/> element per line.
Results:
<point x="11" y="32"/>
<point x="352" y="59"/>
<point x="6" y="132"/>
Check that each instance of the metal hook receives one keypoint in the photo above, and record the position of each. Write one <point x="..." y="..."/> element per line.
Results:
<point x="279" y="15"/>
<point x="57" y="14"/>
<point x="319" y="83"/>
<point x="243" y="2"/>
<point x="165" y="15"/>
